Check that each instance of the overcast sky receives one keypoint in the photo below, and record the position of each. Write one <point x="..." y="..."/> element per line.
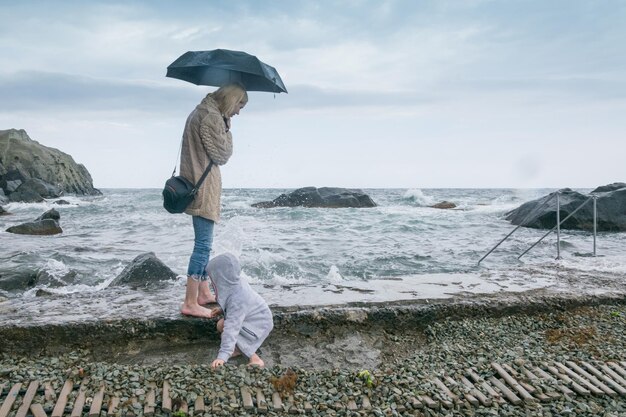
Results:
<point x="408" y="94"/>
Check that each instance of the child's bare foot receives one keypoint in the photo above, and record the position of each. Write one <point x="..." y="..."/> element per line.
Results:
<point x="196" y="311"/>
<point x="255" y="360"/>
<point x="236" y="352"/>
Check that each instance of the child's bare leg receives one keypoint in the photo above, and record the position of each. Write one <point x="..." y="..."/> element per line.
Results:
<point x="190" y="306"/>
<point x="255" y="360"/>
<point x="204" y="294"/>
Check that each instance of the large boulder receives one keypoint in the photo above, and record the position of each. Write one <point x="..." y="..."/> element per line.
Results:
<point x="325" y="197"/>
<point x="146" y="270"/>
<point x="18" y="279"/>
<point x="541" y="213"/>
<point x="609" y="187"/>
<point x="41" y="170"/>
<point x="40" y="227"/>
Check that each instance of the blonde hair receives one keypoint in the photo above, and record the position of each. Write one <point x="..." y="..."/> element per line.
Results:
<point x="228" y="96"/>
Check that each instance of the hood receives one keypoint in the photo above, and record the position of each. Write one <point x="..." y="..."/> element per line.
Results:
<point x="224" y="271"/>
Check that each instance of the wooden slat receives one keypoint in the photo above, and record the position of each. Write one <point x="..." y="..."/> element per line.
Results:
<point x="365" y="403"/>
<point x="574" y="367"/>
<point x="430" y="403"/>
<point x="554" y="371"/>
<point x="148" y="408"/>
<point x="28" y="399"/>
<point x="476" y="393"/>
<point x="198" y="407"/>
<point x="277" y="403"/>
<point x="166" y="400"/>
<point x="246" y="397"/>
<point x="96" y="404"/>
<point x="619" y="369"/>
<point x="79" y="403"/>
<point x="446" y="391"/>
<point x="37" y="410"/>
<point x="485" y="385"/>
<point x="1" y="389"/>
<point x="512" y="382"/>
<point x="616" y="377"/>
<point x="59" y="408"/>
<point x="183" y="408"/>
<point x="261" y="403"/>
<point x="290" y="405"/>
<point x="469" y="397"/>
<point x="10" y="399"/>
<point x="616" y="386"/>
<point x="415" y="403"/>
<point x="510" y="395"/>
<point x="543" y="374"/>
<point x="114" y="403"/>
<point x="594" y="390"/>
<point x="308" y="407"/>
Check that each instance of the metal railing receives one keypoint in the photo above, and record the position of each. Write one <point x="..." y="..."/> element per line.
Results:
<point x="559" y="222"/>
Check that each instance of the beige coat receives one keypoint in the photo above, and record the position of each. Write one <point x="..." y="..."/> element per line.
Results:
<point x="205" y="138"/>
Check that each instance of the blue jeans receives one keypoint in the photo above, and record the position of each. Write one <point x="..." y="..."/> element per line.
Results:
<point x="203" y="232"/>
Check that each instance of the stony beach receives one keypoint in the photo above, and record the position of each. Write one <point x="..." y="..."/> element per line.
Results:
<point x="404" y="366"/>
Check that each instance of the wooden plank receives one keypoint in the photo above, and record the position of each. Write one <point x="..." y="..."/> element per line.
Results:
<point x="246" y="397"/>
<point x="166" y="400"/>
<point x="416" y="404"/>
<point x="49" y="394"/>
<point x="37" y="410"/>
<point x="594" y="390"/>
<point x="28" y="399"/>
<point x="290" y="406"/>
<point x="59" y="408"/>
<point x="614" y="384"/>
<point x="198" y="407"/>
<point x="148" y="408"/>
<point x="114" y="403"/>
<point x="277" y="403"/>
<point x="485" y="385"/>
<point x="468" y="396"/>
<point x="580" y="390"/>
<point x="261" y="404"/>
<point x="446" y="391"/>
<point x="510" y="395"/>
<point x="618" y="368"/>
<point x="183" y="408"/>
<point x="1" y="389"/>
<point x="79" y="403"/>
<point x="613" y="375"/>
<point x="476" y="393"/>
<point x="308" y="408"/>
<point x="10" y="399"/>
<point x="96" y="404"/>
<point x="580" y="371"/>
<point x="544" y="375"/>
<point x="512" y="382"/>
<point x="365" y="403"/>
<point x="430" y="403"/>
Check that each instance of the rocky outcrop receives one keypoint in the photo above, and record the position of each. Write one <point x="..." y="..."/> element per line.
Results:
<point x="325" y="197"/>
<point x="541" y="213"/>
<point x="30" y="172"/>
<point x="609" y="187"/>
<point x="444" y="205"/>
<point x="46" y="224"/>
<point x="146" y="270"/>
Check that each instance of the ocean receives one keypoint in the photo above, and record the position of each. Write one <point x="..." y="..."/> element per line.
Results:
<point x="400" y="249"/>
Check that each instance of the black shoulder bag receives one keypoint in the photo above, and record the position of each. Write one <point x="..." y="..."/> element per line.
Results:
<point x="179" y="192"/>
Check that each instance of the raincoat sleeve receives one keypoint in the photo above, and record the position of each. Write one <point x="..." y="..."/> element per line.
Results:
<point x="217" y="142"/>
<point x="235" y="314"/>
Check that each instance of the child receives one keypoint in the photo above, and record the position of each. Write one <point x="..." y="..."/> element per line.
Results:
<point x="247" y="318"/>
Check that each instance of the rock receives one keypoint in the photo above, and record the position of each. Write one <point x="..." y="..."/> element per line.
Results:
<point x="35" y="185"/>
<point x="609" y="187"/>
<point x="40" y="227"/>
<point x="145" y="270"/>
<point x="444" y="205"/>
<point x="61" y="202"/>
<point x="50" y="214"/>
<point x="24" y="159"/>
<point x="18" y="280"/>
<point x="325" y="197"/>
<point x="3" y="212"/>
<point x="3" y="198"/>
<point x="541" y="213"/>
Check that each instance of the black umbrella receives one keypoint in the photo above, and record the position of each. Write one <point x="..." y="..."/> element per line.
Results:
<point x="221" y="67"/>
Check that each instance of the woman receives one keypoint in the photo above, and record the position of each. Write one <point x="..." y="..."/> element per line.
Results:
<point x="207" y="138"/>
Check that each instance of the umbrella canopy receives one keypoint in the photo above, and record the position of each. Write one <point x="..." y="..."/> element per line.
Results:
<point x="220" y="67"/>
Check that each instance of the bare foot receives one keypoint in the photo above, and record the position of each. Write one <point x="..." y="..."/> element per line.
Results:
<point x="196" y="311"/>
<point x="236" y="352"/>
<point x="255" y="360"/>
<point x="206" y="299"/>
